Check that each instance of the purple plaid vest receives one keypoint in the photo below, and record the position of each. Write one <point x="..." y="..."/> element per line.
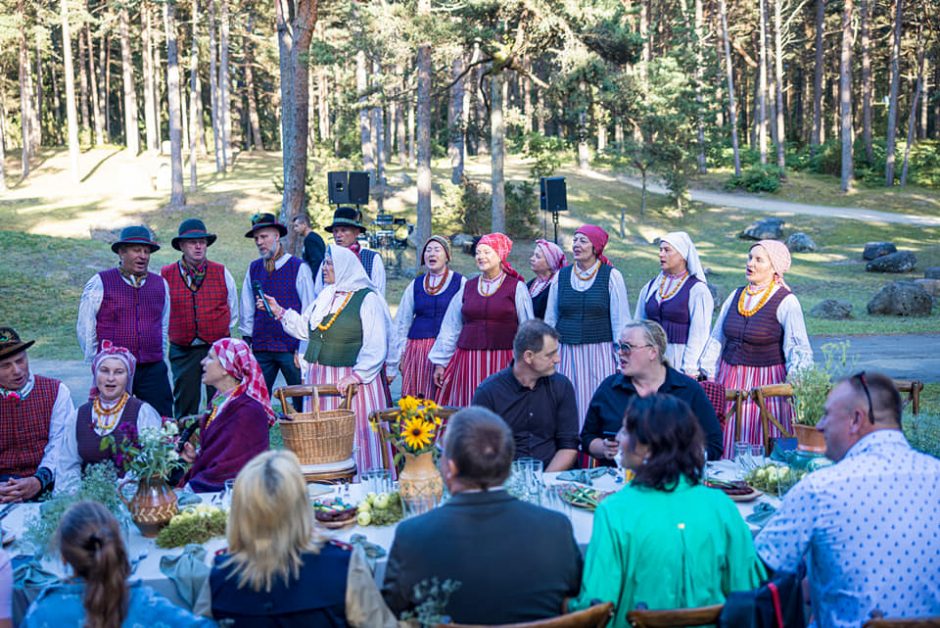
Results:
<point x="430" y="310"/>
<point x="89" y="443"/>
<point x="672" y="314"/>
<point x="267" y="333"/>
<point x="133" y="317"/>
<point x="756" y="340"/>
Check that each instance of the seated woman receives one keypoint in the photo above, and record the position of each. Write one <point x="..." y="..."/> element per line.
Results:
<point x="99" y="594"/>
<point x="236" y="429"/>
<point x="110" y="408"/>
<point x="666" y="539"/>
<point x="276" y="572"/>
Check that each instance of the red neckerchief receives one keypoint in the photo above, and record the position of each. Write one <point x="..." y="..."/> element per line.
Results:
<point x="355" y="248"/>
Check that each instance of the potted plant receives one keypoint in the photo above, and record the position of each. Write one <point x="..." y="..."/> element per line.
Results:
<point x="811" y="387"/>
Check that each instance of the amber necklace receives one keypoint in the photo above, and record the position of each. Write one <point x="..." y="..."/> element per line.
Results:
<point x="432" y="290"/>
<point x="589" y="275"/>
<point x="747" y="313"/>
<point x="490" y="282"/>
<point x="336" y="314"/>
<point x="662" y="284"/>
<point x="103" y="416"/>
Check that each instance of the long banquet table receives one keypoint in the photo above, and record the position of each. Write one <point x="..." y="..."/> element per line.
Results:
<point x="145" y="555"/>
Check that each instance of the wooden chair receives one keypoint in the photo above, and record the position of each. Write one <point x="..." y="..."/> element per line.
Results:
<point x="738" y="397"/>
<point x="760" y="396"/>
<point x="643" y="618"/>
<point x="878" y="620"/>
<point x="380" y="419"/>
<point x="913" y="388"/>
<point x="595" y="616"/>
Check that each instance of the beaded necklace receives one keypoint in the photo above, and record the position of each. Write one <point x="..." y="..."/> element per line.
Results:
<point x="589" y="275"/>
<point x="483" y="280"/>
<point x="662" y="284"/>
<point x="336" y="314"/>
<point x="108" y="423"/>
<point x="432" y="290"/>
<point x="747" y="313"/>
<point x="216" y="404"/>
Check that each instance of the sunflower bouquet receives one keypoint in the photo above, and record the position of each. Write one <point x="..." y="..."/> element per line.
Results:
<point x="415" y="428"/>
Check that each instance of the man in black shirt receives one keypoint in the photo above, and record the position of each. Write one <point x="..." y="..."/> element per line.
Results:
<point x="535" y="401"/>
<point x="314" y="247"/>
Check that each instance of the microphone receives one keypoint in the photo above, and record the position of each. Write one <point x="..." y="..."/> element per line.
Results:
<point x="259" y="292"/>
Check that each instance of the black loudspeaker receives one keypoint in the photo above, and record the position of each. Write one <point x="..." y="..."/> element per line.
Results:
<point x="553" y="194"/>
<point x="358" y="188"/>
<point x="338" y="186"/>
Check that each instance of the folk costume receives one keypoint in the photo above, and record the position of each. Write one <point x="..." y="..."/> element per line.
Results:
<point x="476" y="335"/>
<point x="32" y="421"/>
<point x="371" y="261"/>
<point x="287" y="279"/>
<point x="757" y="339"/>
<point x="589" y="309"/>
<point x="97" y="418"/>
<point x="347" y="330"/>
<point x="682" y="305"/>
<point x="538" y="287"/>
<point x="203" y="308"/>
<point x="236" y="429"/>
<point x="418" y="323"/>
<point x="134" y="312"/>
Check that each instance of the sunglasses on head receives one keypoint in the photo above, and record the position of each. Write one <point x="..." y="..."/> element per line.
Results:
<point x="861" y="378"/>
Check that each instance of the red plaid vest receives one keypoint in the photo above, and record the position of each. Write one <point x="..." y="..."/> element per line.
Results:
<point x="133" y="317"/>
<point x="24" y="428"/>
<point x="202" y="314"/>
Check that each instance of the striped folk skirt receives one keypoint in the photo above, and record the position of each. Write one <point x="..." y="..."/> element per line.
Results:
<point x="745" y="378"/>
<point x="466" y="370"/>
<point x="417" y="372"/>
<point x="370" y="398"/>
<point x="587" y="366"/>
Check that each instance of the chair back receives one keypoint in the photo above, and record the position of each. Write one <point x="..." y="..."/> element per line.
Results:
<point x="380" y="420"/>
<point x="913" y="388"/>
<point x="704" y="615"/>
<point x="595" y="616"/>
<point x="760" y="396"/>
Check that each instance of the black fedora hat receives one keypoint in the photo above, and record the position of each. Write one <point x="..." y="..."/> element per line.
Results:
<point x="192" y="229"/>
<point x="137" y="234"/>
<point x="11" y="344"/>
<point x="346" y="217"/>
<point x="262" y="221"/>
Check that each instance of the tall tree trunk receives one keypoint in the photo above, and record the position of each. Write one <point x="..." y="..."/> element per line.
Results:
<point x="296" y="20"/>
<point x="779" y="79"/>
<point x="412" y="150"/>
<point x="469" y="92"/>
<point x="867" y="86"/>
<point x="83" y="84"/>
<point x="455" y="144"/>
<point x="365" y="128"/>
<point x="70" y="91"/>
<point x="323" y="104"/>
<point x="214" y="90"/>
<point x="3" y="152"/>
<point x="729" y="71"/>
<point x="131" y="132"/>
<point x="177" y="193"/>
<point x="402" y="122"/>
<point x="845" y="94"/>
<point x="893" y="94"/>
<point x="912" y="119"/>
<point x="253" y="119"/>
<point x="225" y="98"/>
<point x="584" y="153"/>
<point x="699" y="100"/>
<point x="95" y="96"/>
<point x="817" y="137"/>
<point x="762" y="83"/>
<point x="497" y="151"/>
<point x="150" y="98"/>
<point x="57" y="110"/>
<point x="104" y="57"/>
<point x="381" y="154"/>
<point x="37" y="111"/>
<point x="26" y="94"/>
<point x="527" y="107"/>
<point x="194" y="97"/>
<point x="423" y="133"/>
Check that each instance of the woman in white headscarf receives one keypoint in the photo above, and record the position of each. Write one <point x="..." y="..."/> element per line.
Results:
<point x="347" y="329"/>
<point x="678" y="299"/>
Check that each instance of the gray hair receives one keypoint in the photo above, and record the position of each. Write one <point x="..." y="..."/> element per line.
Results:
<point x="654" y="334"/>
<point x="531" y="337"/>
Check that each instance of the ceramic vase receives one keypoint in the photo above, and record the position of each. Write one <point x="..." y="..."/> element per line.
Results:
<point x="152" y="506"/>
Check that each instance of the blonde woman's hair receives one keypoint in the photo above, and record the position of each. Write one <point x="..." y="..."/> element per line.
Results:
<point x="655" y="335"/>
<point x="270" y="524"/>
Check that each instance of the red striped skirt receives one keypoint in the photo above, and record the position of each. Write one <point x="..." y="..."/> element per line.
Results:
<point x="466" y="370"/>
<point x="586" y="366"/>
<point x="370" y="397"/>
<point x="417" y="372"/>
<point x="745" y="378"/>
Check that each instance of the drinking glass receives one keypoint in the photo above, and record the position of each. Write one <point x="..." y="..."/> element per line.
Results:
<point x="742" y="454"/>
<point x="533" y="479"/>
<point x="227" y="494"/>
<point x="378" y="480"/>
<point x="757" y="456"/>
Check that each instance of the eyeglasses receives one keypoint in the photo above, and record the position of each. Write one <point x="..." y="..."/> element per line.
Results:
<point x="626" y="347"/>
<point x="871" y="411"/>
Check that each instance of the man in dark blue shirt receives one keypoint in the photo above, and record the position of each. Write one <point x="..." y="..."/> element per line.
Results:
<point x="314" y="247"/>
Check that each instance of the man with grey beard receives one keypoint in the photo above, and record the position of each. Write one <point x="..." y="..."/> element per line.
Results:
<point x="287" y="279"/>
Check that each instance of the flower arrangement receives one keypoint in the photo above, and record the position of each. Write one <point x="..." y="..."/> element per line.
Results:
<point x="415" y="428"/>
<point x="149" y="453"/>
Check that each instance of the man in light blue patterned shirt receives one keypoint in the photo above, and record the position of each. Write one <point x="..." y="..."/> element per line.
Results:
<point x="869" y="526"/>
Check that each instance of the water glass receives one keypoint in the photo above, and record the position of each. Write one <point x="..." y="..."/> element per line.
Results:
<point x="227" y="494"/>
<point x="378" y="480"/>
<point x="742" y="455"/>
<point x="757" y="456"/>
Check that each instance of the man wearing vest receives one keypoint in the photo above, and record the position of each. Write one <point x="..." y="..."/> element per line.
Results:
<point x="203" y="307"/>
<point x="346" y="228"/>
<point x="288" y="280"/>
<point x="130" y="306"/>
<point x="33" y="413"/>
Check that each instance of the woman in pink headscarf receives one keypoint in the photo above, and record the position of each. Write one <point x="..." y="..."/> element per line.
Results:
<point x="547" y="259"/>
<point x="587" y="304"/>
<point x="758" y="338"/>
<point x="480" y="324"/>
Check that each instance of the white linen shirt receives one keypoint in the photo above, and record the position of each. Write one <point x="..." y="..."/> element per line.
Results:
<point x="304" y="283"/>
<point x="869" y="528"/>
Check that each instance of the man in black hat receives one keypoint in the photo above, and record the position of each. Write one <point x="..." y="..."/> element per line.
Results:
<point x="346" y="228"/>
<point x="34" y="410"/>
<point x="287" y="279"/>
<point x="130" y="306"/>
<point x="203" y="308"/>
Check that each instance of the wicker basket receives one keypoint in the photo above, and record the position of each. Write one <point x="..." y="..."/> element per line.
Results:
<point x="320" y="436"/>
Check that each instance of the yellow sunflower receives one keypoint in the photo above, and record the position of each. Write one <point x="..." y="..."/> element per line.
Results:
<point x="408" y="404"/>
<point x="417" y="433"/>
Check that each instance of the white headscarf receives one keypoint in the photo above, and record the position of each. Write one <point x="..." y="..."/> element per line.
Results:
<point x="349" y="276"/>
<point x="682" y="243"/>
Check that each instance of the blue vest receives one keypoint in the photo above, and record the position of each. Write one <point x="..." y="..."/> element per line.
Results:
<point x="367" y="257"/>
<point x="267" y="333"/>
<point x="672" y="314"/>
<point x="430" y="310"/>
<point x="584" y="317"/>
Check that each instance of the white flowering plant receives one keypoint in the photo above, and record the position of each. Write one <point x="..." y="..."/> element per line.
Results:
<point x="151" y="452"/>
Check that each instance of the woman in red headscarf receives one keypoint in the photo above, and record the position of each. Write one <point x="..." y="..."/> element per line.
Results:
<point x="547" y="259"/>
<point x="481" y="321"/>
<point x="759" y="337"/>
<point x="587" y="304"/>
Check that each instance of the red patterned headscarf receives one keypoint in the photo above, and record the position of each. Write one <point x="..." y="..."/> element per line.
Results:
<point x="556" y="260"/>
<point x="108" y="350"/>
<point x="503" y="246"/>
<point x="236" y="358"/>
<point x="598" y="238"/>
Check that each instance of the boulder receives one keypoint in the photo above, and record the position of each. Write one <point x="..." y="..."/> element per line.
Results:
<point x="765" y="229"/>
<point x="900" y="262"/>
<point x="877" y="249"/>
<point x="930" y="286"/>
<point x="800" y="243"/>
<point x="901" y="298"/>
<point x="932" y="273"/>
<point x="832" y="309"/>
<point x="461" y="239"/>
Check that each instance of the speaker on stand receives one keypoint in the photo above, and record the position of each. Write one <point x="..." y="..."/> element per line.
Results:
<point x="553" y="197"/>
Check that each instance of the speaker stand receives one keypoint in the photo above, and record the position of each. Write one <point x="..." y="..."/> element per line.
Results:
<point x="555" y="224"/>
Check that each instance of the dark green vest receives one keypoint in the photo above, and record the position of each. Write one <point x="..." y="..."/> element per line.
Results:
<point x="340" y="344"/>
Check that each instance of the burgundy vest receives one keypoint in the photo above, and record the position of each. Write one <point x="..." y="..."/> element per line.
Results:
<point x="672" y="314"/>
<point x="133" y="317"/>
<point x="24" y="428"/>
<point x="756" y="340"/>
<point x="488" y="322"/>
<point x="89" y="443"/>
<point x="202" y="314"/>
